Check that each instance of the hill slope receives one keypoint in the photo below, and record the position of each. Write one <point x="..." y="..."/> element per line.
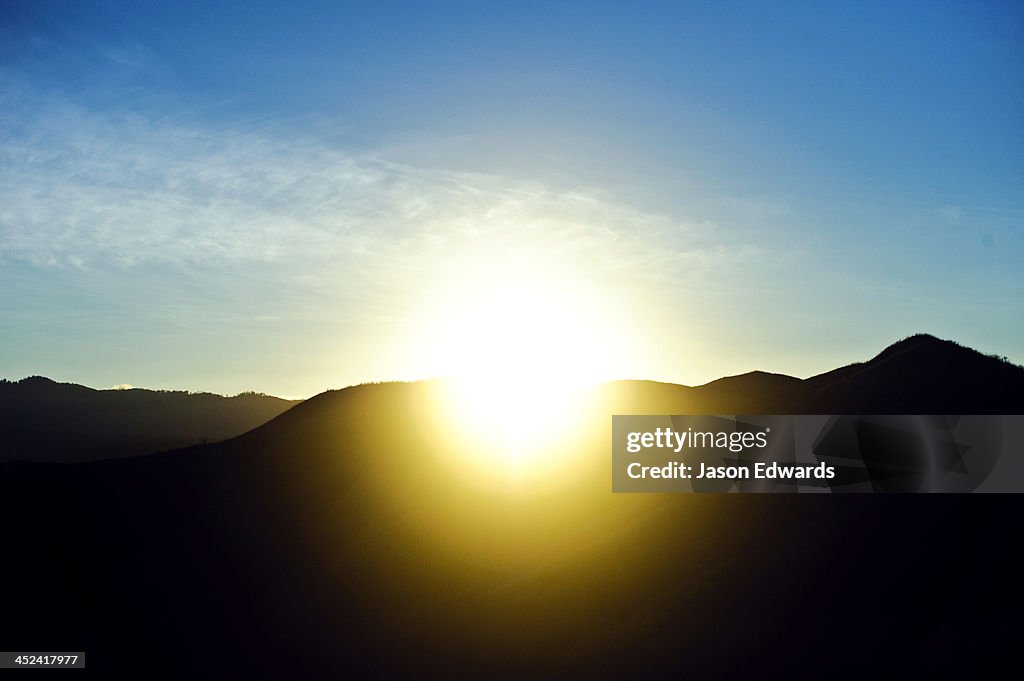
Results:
<point x="921" y="375"/>
<point x="41" y="420"/>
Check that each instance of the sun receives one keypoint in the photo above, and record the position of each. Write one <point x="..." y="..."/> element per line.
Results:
<point x="519" y="344"/>
<point x="519" y="353"/>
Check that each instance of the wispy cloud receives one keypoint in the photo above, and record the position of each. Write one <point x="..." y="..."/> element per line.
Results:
<point x="80" y="189"/>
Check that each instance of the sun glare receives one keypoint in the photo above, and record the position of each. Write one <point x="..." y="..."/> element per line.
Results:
<point x="519" y="346"/>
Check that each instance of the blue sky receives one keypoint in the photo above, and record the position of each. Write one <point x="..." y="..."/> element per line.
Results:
<point x="288" y="196"/>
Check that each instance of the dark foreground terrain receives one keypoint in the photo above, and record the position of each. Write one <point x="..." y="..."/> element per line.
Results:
<point x="349" y="538"/>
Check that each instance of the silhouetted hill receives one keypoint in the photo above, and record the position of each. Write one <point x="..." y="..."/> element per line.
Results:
<point x="366" y="534"/>
<point x="749" y="393"/>
<point x="921" y="375"/>
<point x="41" y="420"/>
<point x="918" y="375"/>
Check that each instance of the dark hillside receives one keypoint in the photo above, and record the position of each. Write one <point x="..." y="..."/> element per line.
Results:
<point x="41" y="420"/>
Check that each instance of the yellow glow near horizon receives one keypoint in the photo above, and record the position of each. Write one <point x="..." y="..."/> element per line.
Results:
<point x="519" y="343"/>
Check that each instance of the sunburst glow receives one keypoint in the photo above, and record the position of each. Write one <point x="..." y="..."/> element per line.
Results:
<point x="519" y="344"/>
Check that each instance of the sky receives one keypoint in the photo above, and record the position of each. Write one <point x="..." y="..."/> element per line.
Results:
<point x="293" y="197"/>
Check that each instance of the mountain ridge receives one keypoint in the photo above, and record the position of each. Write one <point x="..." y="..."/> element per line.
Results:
<point x="46" y="420"/>
<point x="918" y="374"/>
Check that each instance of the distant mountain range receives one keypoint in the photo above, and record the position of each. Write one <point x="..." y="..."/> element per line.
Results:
<point x="918" y="375"/>
<point x="41" y="420"/>
<point x="352" y="537"/>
